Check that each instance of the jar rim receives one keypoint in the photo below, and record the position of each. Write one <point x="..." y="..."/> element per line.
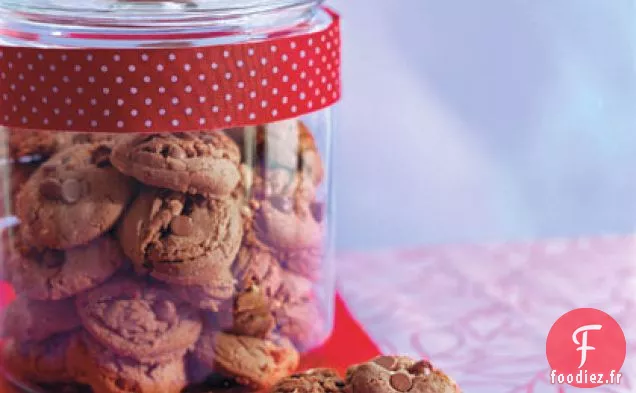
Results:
<point x="140" y="11"/>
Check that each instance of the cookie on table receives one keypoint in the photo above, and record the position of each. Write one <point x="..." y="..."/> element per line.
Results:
<point x="181" y="238"/>
<point x="40" y="361"/>
<point x="398" y="374"/>
<point x="219" y="287"/>
<point x="35" y="320"/>
<point x="255" y="362"/>
<point x="138" y="319"/>
<point x="108" y="372"/>
<point x="73" y="198"/>
<point x="56" y="274"/>
<point x="197" y="163"/>
<point x="318" y="380"/>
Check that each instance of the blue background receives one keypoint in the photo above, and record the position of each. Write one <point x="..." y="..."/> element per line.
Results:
<point x="486" y="120"/>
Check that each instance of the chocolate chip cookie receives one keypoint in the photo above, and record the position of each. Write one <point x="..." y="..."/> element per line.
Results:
<point x="285" y="144"/>
<point x="256" y="264"/>
<point x="41" y="361"/>
<point x="108" y="372"/>
<point x="181" y="238"/>
<point x="398" y="374"/>
<point x="288" y="224"/>
<point x="138" y="319"/>
<point x="41" y="144"/>
<point x="219" y="287"/>
<point x="56" y="274"/>
<point x="34" y="320"/>
<point x="255" y="362"/>
<point x="197" y="163"/>
<point x="252" y="314"/>
<point x="73" y="198"/>
<point x="19" y="174"/>
<point x="34" y="143"/>
<point x="262" y="183"/>
<point x="302" y="323"/>
<point x="319" y="380"/>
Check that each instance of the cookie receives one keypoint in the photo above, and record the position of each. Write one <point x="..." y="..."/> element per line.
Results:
<point x="303" y="323"/>
<point x="255" y="362"/>
<point x="181" y="238"/>
<point x="297" y="312"/>
<point x="42" y="361"/>
<point x="41" y="144"/>
<point x="77" y="138"/>
<point x="319" y="380"/>
<point x="73" y="198"/>
<point x="19" y="174"/>
<point x="286" y="224"/>
<point x="209" y="296"/>
<point x="37" y="144"/>
<point x="398" y="374"/>
<point x="285" y="144"/>
<point x="197" y="163"/>
<point x="256" y="264"/>
<point x="34" y="320"/>
<point x="262" y="183"/>
<point x="310" y="163"/>
<point x="252" y="314"/>
<point x="56" y="274"/>
<point x="307" y="262"/>
<point x="138" y="319"/>
<point x="294" y="288"/>
<point x="108" y="372"/>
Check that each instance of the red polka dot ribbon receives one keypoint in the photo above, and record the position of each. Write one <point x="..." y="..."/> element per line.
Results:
<point x="180" y="89"/>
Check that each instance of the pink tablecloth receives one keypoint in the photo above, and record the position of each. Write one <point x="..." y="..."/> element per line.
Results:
<point x="483" y="312"/>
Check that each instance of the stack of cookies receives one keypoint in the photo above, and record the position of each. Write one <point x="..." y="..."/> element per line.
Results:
<point x="150" y="262"/>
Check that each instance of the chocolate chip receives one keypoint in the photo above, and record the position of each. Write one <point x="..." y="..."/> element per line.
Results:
<point x="51" y="189"/>
<point x="182" y="226"/>
<point x="53" y="259"/>
<point x="400" y="382"/>
<point x="318" y="211"/>
<point x="166" y="311"/>
<point x="388" y="362"/>
<point x="71" y="191"/>
<point x="340" y="384"/>
<point x="101" y="156"/>
<point x="282" y="203"/>
<point x="422" y="367"/>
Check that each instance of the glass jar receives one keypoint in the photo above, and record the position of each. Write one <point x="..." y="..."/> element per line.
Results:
<point x="166" y="178"/>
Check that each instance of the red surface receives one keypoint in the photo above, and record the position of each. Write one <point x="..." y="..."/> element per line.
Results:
<point x="349" y="344"/>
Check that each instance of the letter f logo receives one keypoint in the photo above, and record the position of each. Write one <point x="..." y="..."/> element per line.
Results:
<point x="583" y="344"/>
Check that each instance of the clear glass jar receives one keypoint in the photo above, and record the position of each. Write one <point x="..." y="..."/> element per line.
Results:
<point x="167" y="216"/>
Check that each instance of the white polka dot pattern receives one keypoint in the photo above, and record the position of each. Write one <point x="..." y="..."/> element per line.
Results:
<point x="180" y="89"/>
